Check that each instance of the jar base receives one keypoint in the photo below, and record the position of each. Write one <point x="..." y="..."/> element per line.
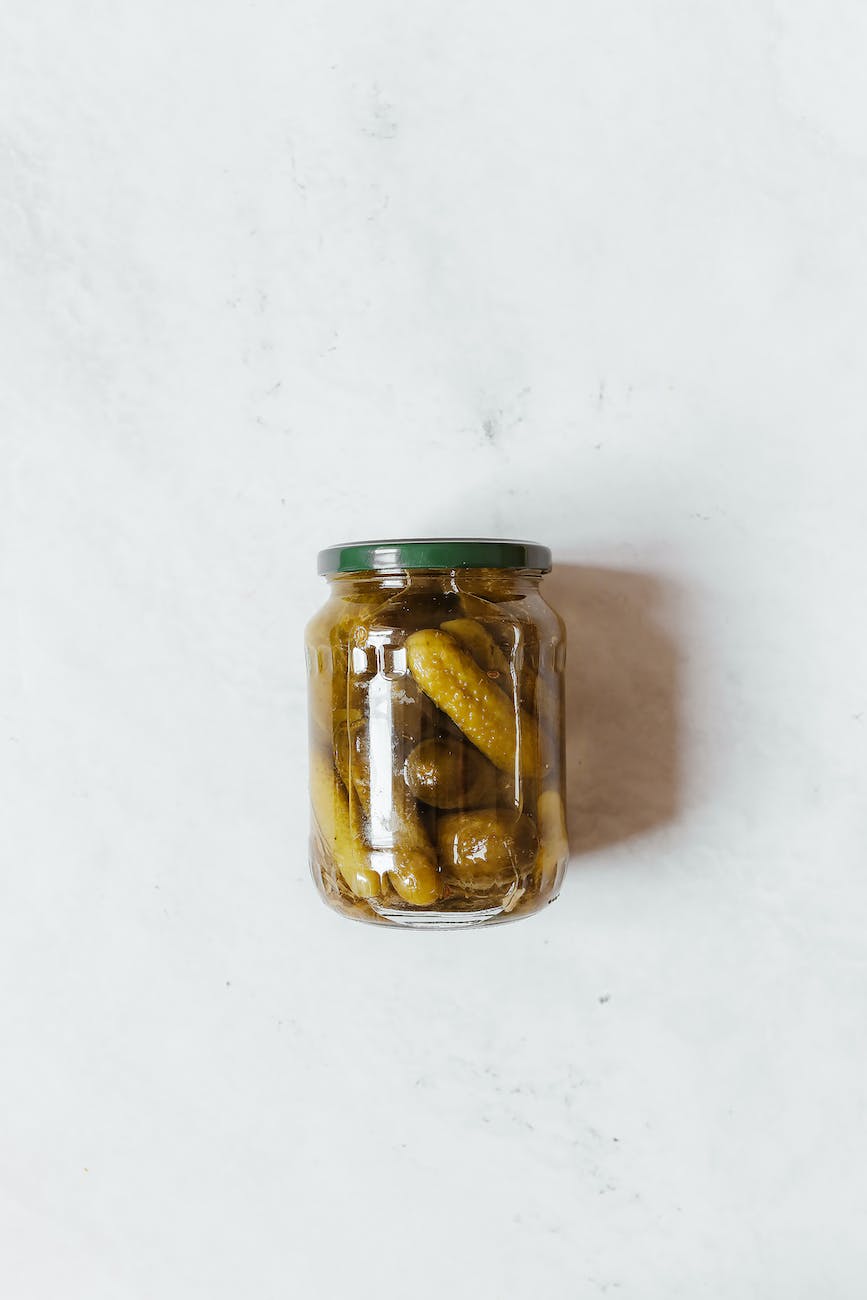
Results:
<point x="445" y="920"/>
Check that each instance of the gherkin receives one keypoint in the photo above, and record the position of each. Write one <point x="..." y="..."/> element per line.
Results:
<point x="485" y="714"/>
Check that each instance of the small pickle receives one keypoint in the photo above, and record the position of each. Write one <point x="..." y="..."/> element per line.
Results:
<point x="331" y="808"/>
<point x="481" y="645"/>
<point x="328" y="636"/>
<point x="319" y="692"/>
<point x="478" y="846"/>
<point x="341" y="755"/>
<point x="553" y="844"/>
<point x="414" y="877"/>
<point x="475" y="637"/>
<point x="529" y="676"/>
<point x="390" y="823"/>
<point x="449" y="774"/>
<point x="413" y="869"/>
<point x="484" y="713"/>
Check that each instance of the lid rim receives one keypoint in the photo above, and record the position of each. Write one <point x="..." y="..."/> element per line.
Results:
<point x="433" y="553"/>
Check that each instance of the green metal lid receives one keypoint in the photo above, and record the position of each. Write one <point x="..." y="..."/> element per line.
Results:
<point x="434" y="553"/>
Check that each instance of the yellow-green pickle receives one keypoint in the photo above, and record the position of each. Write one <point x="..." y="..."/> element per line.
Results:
<point x="437" y="782"/>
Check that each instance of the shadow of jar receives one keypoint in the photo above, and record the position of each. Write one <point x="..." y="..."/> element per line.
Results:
<point x="622" y="702"/>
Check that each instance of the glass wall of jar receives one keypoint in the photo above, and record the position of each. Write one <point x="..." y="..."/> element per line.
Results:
<point x="435" y="675"/>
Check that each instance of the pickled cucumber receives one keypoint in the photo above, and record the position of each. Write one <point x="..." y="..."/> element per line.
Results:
<point x="414" y="877"/>
<point x="331" y="810"/>
<point x="412" y="860"/>
<point x="553" y="844"/>
<point x="472" y="635"/>
<point x="450" y="774"/>
<point x="386" y="822"/>
<point x="328" y="637"/>
<point x="476" y="846"/>
<point x="475" y="638"/>
<point x="485" y="714"/>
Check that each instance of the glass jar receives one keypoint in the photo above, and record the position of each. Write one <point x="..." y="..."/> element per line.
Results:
<point x="435" y="676"/>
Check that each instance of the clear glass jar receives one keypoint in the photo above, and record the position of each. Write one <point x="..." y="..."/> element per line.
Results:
<point x="435" y="676"/>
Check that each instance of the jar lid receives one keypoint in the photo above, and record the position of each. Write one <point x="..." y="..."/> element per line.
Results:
<point x="434" y="553"/>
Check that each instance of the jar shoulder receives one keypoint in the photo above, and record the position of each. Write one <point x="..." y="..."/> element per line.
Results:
<point x="546" y="617"/>
<point x="389" y="617"/>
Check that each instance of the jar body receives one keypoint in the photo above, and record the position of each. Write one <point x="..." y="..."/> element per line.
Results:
<point x="436" y="747"/>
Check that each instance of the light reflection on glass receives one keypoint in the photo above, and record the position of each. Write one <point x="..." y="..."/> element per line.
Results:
<point x="380" y="731"/>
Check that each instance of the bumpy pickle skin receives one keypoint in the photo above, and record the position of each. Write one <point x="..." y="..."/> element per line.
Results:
<point x="477" y="640"/>
<point x="553" y="844"/>
<point x="539" y="685"/>
<point x="331" y="809"/>
<point x="479" y="847"/>
<point x="474" y="637"/>
<point x="450" y="774"/>
<point x="484" y="713"/>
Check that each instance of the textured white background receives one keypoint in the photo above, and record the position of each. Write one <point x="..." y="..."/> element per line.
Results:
<point x="279" y="274"/>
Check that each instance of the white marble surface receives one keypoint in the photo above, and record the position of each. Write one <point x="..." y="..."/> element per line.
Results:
<point x="281" y="274"/>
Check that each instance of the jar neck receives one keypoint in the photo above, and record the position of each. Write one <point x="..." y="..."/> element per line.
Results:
<point x="490" y="584"/>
